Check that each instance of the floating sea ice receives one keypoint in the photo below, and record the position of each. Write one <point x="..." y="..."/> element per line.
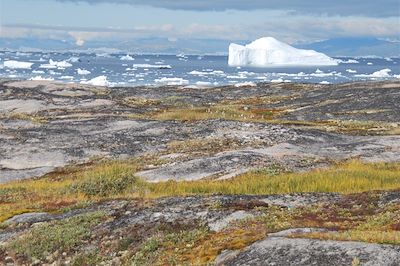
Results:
<point x="83" y="71"/>
<point x="17" y="64"/>
<point x="198" y="73"/>
<point x="319" y="71"/>
<point x="171" y="81"/>
<point x="127" y="58"/>
<point x="66" y="77"/>
<point x="383" y="73"/>
<point x="74" y="59"/>
<point x="151" y="66"/>
<point x="41" y="78"/>
<point x="203" y="83"/>
<point x="37" y="72"/>
<point x="324" y="82"/>
<point x="61" y="64"/>
<point x="279" y="80"/>
<point x="351" y="71"/>
<point x="245" y="84"/>
<point x="370" y="63"/>
<point x="47" y="66"/>
<point x="98" y="81"/>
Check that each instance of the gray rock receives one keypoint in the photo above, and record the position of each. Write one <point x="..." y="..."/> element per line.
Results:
<point x="304" y="252"/>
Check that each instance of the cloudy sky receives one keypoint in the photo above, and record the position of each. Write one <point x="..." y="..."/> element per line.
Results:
<point x="293" y="21"/>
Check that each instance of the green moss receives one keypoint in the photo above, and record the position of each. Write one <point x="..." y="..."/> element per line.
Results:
<point x="65" y="235"/>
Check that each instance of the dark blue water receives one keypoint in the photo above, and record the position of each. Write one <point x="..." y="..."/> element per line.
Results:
<point x="186" y="70"/>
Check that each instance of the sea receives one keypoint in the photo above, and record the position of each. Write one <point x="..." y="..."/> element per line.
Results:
<point x="187" y="70"/>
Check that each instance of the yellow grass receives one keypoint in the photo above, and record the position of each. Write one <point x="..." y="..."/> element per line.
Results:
<point x="79" y="185"/>
<point x="351" y="177"/>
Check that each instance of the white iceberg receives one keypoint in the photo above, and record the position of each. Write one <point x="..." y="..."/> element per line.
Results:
<point x="127" y="58"/>
<point x="97" y="81"/>
<point x="268" y="51"/>
<point x="383" y="73"/>
<point x="83" y="71"/>
<point x="17" y="64"/>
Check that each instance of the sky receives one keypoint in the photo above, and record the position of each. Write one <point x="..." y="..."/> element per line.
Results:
<point x="83" y="21"/>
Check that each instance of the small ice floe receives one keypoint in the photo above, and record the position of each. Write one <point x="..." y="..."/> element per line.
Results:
<point x="205" y="73"/>
<point x="383" y="73"/>
<point x="12" y="64"/>
<point x="67" y="77"/>
<point x="279" y="80"/>
<point x="236" y="77"/>
<point x="47" y="66"/>
<point x="127" y="58"/>
<point x="351" y="71"/>
<point x="171" y="81"/>
<point x="103" y="55"/>
<point x="182" y="55"/>
<point x="370" y="63"/>
<point x="204" y="83"/>
<point x="198" y="73"/>
<point x="245" y="84"/>
<point x="98" y="81"/>
<point x="324" y="82"/>
<point x="151" y="66"/>
<point x="320" y="74"/>
<point x="83" y="71"/>
<point x="61" y="64"/>
<point x="318" y="71"/>
<point x="37" y="72"/>
<point x="74" y="59"/>
<point x="41" y="78"/>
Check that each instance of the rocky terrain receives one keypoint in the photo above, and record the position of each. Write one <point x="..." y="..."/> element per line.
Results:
<point x="189" y="134"/>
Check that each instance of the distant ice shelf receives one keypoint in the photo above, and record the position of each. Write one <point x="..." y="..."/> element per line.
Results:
<point x="268" y="52"/>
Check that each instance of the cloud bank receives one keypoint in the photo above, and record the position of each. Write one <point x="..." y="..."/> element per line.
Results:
<point x="373" y="8"/>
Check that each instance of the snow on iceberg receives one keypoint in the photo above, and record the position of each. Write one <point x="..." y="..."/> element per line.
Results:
<point x="97" y="81"/>
<point x="17" y="64"/>
<point x="268" y="51"/>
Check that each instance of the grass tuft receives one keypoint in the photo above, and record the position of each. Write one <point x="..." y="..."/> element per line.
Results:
<point x="65" y="235"/>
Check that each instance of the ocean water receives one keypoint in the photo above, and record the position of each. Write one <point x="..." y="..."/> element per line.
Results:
<point x="207" y="70"/>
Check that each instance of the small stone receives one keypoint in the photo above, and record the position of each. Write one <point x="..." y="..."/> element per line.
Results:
<point x="8" y="259"/>
<point x="128" y="212"/>
<point x="36" y="262"/>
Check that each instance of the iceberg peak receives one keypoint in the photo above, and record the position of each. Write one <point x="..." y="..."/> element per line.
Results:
<point x="268" y="51"/>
